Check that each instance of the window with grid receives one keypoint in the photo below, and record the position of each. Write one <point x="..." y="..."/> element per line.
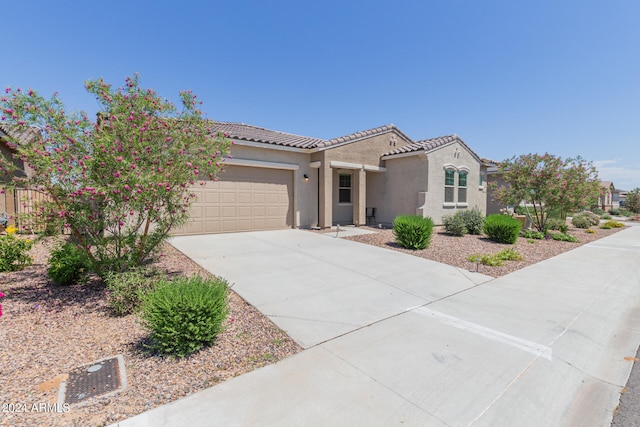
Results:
<point x="462" y="187"/>
<point x="449" y="185"/>
<point x="344" y="188"/>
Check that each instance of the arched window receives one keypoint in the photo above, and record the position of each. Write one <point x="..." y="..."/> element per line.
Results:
<point x="462" y="186"/>
<point x="449" y="185"/>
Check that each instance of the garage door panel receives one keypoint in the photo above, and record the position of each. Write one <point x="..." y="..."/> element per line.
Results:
<point x="243" y="199"/>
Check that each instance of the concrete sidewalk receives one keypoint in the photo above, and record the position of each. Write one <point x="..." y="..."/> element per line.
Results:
<point x="392" y="339"/>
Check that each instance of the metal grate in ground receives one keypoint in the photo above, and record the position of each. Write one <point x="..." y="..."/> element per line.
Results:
<point x="103" y="377"/>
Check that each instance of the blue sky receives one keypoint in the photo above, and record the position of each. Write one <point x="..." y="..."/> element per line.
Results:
<point x="509" y="77"/>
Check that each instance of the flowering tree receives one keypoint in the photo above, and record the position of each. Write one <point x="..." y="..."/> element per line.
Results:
<point x="119" y="183"/>
<point x="633" y="200"/>
<point x="546" y="182"/>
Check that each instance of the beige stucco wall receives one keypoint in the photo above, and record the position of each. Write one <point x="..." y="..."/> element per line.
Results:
<point x="305" y="191"/>
<point x="493" y="207"/>
<point x="416" y="185"/>
<point x="366" y="151"/>
<point x="404" y="179"/>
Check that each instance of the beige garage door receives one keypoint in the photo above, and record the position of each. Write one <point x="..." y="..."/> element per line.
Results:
<point x="243" y="199"/>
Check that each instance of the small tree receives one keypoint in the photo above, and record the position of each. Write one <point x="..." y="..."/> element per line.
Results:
<point x="633" y="200"/>
<point x="544" y="183"/>
<point x="119" y="183"/>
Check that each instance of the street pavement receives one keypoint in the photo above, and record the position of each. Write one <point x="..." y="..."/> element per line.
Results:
<point x="393" y="339"/>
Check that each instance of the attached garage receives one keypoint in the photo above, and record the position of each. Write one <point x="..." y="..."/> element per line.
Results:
<point x="243" y="199"/>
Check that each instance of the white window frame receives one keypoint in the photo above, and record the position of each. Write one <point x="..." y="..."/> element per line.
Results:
<point x="349" y="188"/>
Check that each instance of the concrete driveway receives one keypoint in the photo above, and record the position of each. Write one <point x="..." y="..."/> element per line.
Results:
<point x="393" y="339"/>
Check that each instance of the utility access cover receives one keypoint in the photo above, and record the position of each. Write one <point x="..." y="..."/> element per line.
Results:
<point x="103" y="377"/>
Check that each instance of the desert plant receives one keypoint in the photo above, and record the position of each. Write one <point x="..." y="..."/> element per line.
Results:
<point x="67" y="264"/>
<point x="14" y="253"/>
<point x="614" y="211"/>
<point x="413" y="231"/>
<point x="597" y="211"/>
<point x="611" y="224"/>
<point x="473" y="220"/>
<point x="184" y="315"/>
<point x="532" y="234"/>
<point x="580" y="221"/>
<point x="605" y="216"/>
<point x="564" y="237"/>
<point x="486" y="259"/>
<point x="509" y="254"/>
<point x="126" y="289"/>
<point x="590" y="231"/>
<point x="557" y="224"/>
<point x="502" y="228"/>
<point x="454" y="225"/>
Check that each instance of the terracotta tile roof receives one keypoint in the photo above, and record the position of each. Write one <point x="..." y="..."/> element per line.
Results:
<point x="244" y="132"/>
<point x="12" y="132"/>
<point x="365" y="134"/>
<point x="428" y="145"/>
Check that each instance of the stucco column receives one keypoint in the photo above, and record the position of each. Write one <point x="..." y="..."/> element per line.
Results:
<point x="325" y="196"/>
<point x="360" y="197"/>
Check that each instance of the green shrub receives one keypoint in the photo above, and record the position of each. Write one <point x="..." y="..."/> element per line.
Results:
<point x="614" y="211"/>
<point x="14" y="253"/>
<point x="509" y="254"/>
<point x="454" y="225"/>
<point x="502" y="228"/>
<point x="184" y="315"/>
<point x="532" y="234"/>
<point x="67" y="265"/>
<point x="413" y="231"/>
<point x="580" y="221"/>
<point x="496" y="260"/>
<point x="564" y="237"/>
<point x="557" y="224"/>
<point x="605" y="216"/>
<point x="126" y="289"/>
<point x="597" y="211"/>
<point x="486" y="259"/>
<point x="611" y="224"/>
<point x="473" y="220"/>
<point x="585" y="219"/>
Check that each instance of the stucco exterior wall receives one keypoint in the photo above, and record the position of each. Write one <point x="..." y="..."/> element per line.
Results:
<point x="404" y="179"/>
<point x="457" y="157"/>
<point x="416" y="183"/>
<point x="493" y="207"/>
<point x="305" y="191"/>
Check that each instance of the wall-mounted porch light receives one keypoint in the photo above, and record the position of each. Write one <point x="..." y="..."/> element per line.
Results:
<point x="306" y="177"/>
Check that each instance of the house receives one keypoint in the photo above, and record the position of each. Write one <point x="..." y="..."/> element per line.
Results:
<point x="607" y="195"/>
<point x="279" y="180"/>
<point x="9" y="199"/>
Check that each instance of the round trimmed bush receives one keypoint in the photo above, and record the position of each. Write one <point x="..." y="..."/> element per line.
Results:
<point x="413" y="231"/>
<point x="185" y="315"/>
<point x="502" y="228"/>
<point x="557" y="224"/>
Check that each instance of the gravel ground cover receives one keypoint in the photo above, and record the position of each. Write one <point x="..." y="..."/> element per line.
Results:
<point x="46" y="331"/>
<point x="454" y="250"/>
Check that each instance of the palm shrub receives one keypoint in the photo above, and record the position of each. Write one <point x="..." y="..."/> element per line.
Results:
<point x="502" y="228"/>
<point x="473" y="220"/>
<point x="67" y="264"/>
<point x="413" y="231"/>
<point x="454" y="225"/>
<point x="184" y="315"/>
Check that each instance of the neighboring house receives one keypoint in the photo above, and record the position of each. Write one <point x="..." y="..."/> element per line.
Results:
<point x="493" y="176"/>
<point x="8" y="199"/>
<point x="280" y="180"/>
<point x="607" y="194"/>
